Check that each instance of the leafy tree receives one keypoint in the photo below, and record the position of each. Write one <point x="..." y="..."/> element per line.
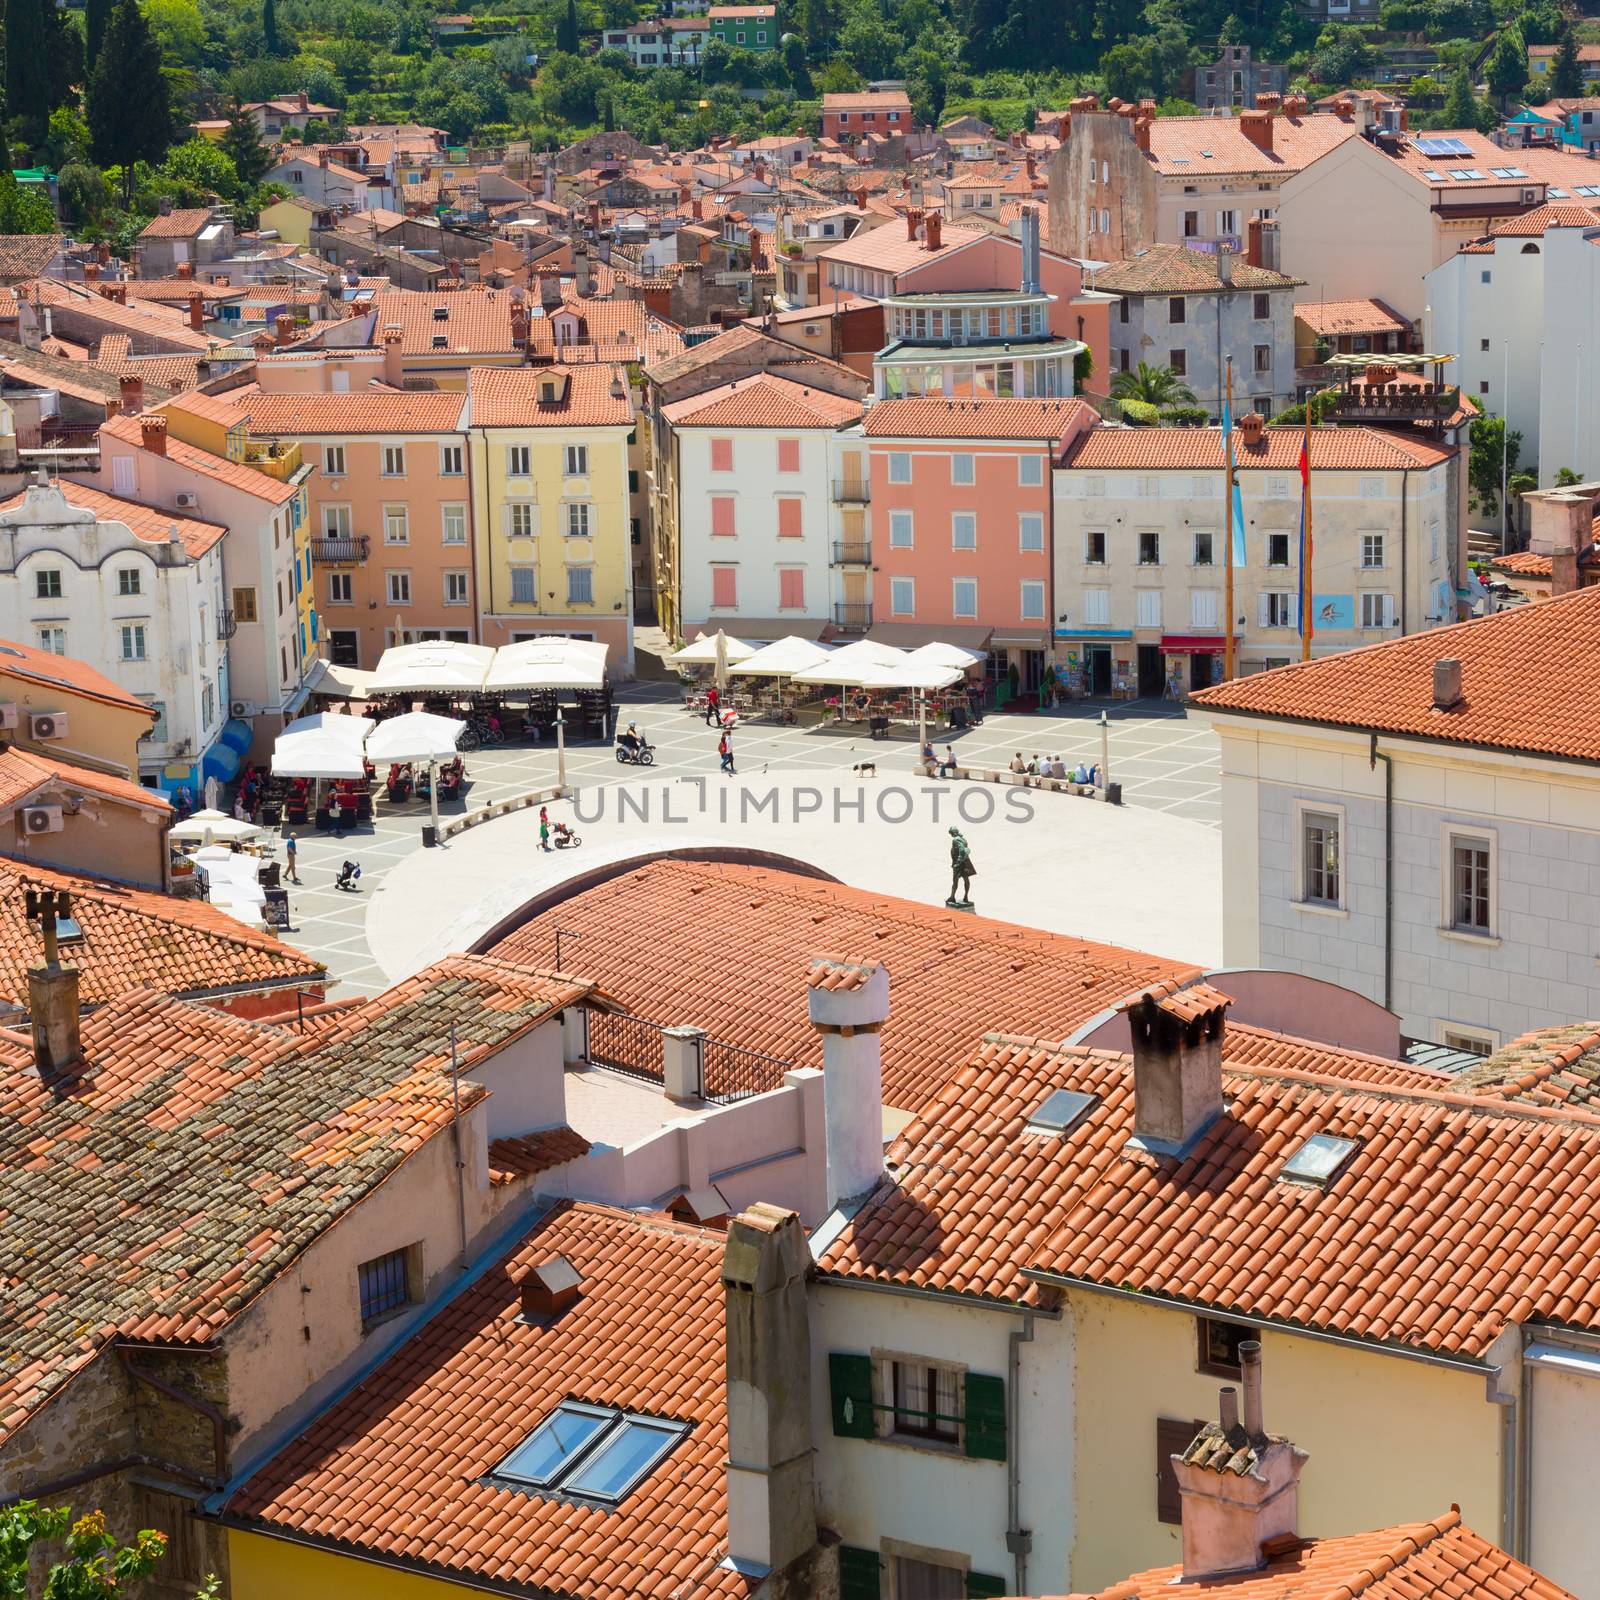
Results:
<point x="1566" y="477"/>
<point x="83" y="193"/>
<point x="96" y="15"/>
<point x="868" y="43"/>
<point x="1461" y="104"/>
<point x="23" y="211"/>
<point x="794" y="63"/>
<point x="1342" y="54"/>
<point x="1507" y="71"/>
<point x="94" y="1566"/>
<point x="1566" y="75"/>
<point x="180" y="29"/>
<point x="1488" y="439"/>
<point x="1153" y="386"/>
<point x="129" y="112"/>
<point x="196" y="170"/>
<point x="30" y="29"/>
<point x="567" y="29"/>
<point x="1141" y="413"/>
<point x="67" y="139"/>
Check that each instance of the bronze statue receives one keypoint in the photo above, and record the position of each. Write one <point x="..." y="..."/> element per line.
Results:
<point x="961" y="871"/>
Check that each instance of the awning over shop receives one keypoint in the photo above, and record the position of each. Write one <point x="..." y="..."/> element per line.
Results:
<point x="1183" y="644"/>
<point x="908" y="635"/>
<point x="1018" y="640"/>
<point x="763" y="630"/>
<point x="1094" y="635"/>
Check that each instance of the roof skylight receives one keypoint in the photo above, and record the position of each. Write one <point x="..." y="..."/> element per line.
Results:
<point x="1318" y="1160"/>
<point x="1061" y="1112"/>
<point x="594" y="1453"/>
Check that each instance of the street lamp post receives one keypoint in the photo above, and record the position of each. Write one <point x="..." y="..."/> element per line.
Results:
<point x="561" y="748"/>
<point x="1105" y="752"/>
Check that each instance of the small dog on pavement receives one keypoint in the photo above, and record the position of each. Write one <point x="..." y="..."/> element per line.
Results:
<point x="865" y="769"/>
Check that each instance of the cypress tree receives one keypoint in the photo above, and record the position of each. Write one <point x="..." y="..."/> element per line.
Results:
<point x="1566" y="75"/>
<point x="567" y="30"/>
<point x="242" y="141"/>
<point x="96" y="14"/>
<point x="128" y="109"/>
<point x="28" y="35"/>
<point x="269" y="28"/>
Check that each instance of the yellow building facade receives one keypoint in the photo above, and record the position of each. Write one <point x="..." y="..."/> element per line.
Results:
<point x="549" y="473"/>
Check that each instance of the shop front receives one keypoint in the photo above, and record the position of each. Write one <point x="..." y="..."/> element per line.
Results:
<point x="1096" y="663"/>
<point x="1193" y="661"/>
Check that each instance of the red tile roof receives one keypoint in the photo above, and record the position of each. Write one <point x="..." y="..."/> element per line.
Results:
<point x="429" y="1425"/>
<point x="725" y="948"/>
<point x="209" y="1152"/>
<point x="18" y="660"/>
<point x="842" y="972"/>
<point x="218" y="468"/>
<point x="887" y="249"/>
<point x="163" y="326"/>
<point x="291" y="415"/>
<point x="1333" y="449"/>
<point x="145" y="523"/>
<point x="508" y="397"/>
<point x="1454" y="1217"/>
<point x="533" y="1153"/>
<point x="1331" y="318"/>
<point x="1205" y="146"/>
<point x="976" y="419"/>
<point x="764" y="401"/>
<point x="1553" y="214"/>
<point x="1171" y="269"/>
<point x="137" y="939"/>
<point x="23" y="773"/>
<point x="868" y="100"/>
<point x="1557" y="1066"/>
<point x="177" y="224"/>
<point x="477" y="321"/>
<point x="1510" y="663"/>
<point x="1439" y="1560"/>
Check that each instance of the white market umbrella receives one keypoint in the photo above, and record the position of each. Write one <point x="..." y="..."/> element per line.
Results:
<point x="783" y="658"/>
<point x="551" y="663"/>
<point x="322" y="746"/>
<point x="231" y="879"/>
<point x="703" y="652"/>
<point x="862" y="665"/>
<point x="947" y="655"/>
<point x="209" y="825"/>
<point x="418" y="736"/>
<point x="433" y="666"/>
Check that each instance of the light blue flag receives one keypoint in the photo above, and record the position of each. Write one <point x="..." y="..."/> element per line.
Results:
<point x="1240" y="556"/>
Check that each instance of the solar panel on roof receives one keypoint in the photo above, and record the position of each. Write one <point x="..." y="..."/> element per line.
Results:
<point x="1443" y="147"/>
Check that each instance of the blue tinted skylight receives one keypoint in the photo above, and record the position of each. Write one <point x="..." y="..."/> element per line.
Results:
<point x="586" y="1452"/>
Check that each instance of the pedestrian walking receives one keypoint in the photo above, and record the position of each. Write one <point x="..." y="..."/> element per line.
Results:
<point x="713" y="707"/>
<point x="291" y="851"/>
<point x="725" y="750"/>
<point x="185" y="802"/>
<point x="544" y="828"/>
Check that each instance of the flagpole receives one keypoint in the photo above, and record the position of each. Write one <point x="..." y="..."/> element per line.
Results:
<point x="1227" y="538"/>
<point x="1308" y="605"/>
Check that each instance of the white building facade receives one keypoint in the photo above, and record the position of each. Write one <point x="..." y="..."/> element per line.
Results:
<point x="137" y="594"/>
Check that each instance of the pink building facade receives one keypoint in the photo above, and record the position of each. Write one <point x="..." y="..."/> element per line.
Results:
<point x="391" y="515"/>
<point x="962" y="523"/>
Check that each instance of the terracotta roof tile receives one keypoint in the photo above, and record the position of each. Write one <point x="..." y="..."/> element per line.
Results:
<point x="1550" y="1067"/>
<point x="842" y="972"/>
<point x="1439" y="1560"/>
<point x="1171" y="269"/>
<point x="137" y="939"/>
<point x="232" y="473"/>
<point x="1333" y="449"/>
<point x="290" y="415"/>
<point x="1553" y="214"/>
<point x="177" y="224"/>
<point x="25" y="772"/>
<point x="508" y="397"/>
<point x="145" y="523"/>
<point x="1386" y="1231"/>
<point x="976" y="419"/>
<point x="1563" y="167"/>
<point x="1331" y="318"/>
<point x="24" y="255"/>
<point x="1187" y="146"/>
<point x="1194" y="1001"/>
<point x="202" y="1124"/>
<point x="1508" y="663"/>
<point x="645" y="1333"/>
<point x="764" y="401"/>
<point x="533" y="1153"/>
<point x="161" y="325"/>
<point x="887" y="249"/>
<point x="18" y="660"/>
<point x="737" y="341"/>
<point x="662" y="941"/>
<point x="477" y="322"/>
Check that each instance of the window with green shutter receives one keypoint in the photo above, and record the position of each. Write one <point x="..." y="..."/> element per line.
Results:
<point x="860" y="1574"/>
<point x="984" y="1586"/>
<point x="986" y="1417"/>
<point x="850" y="1385"/>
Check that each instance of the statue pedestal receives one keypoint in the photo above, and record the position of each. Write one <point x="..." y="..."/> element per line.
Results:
<point x="961" y="905"/>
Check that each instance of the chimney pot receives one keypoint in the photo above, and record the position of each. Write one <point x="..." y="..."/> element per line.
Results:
<point x="1228" y="1408"/>
<point x="932" y="228"/>
<point x="197" y="311"/>
<point x="1447" y="693"/>
<point x="913" y="222"/>
<point x="1256" y="126"/>
<point x="153" y="434"/>
<point x="132" y="388"/>
<point x="550" y="1287"/>
<point x="848" y="1002"/>
<point x="53" y="1010"/>
<point x="1250" y="426"/>
<point x="283" y="328"/>
<point x="1250" y="1378"/>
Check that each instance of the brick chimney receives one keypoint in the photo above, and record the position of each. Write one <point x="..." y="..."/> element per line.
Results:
<point x="549" y="1287"/>
<point x="262" y="343"/>
<point x="393" y="366"/>
<point x="1256" y="126"/>
<point x="283" y="328"/>
<point x="932" y="228"/>
<point x="1250" y="425"/>
<point x="913" y="221"/>
<point x="1177" y="1066"/>
<point x="1447" y="691"/>
<point x="1344" y="108"/>
<point x="91" y="271"/>
<point x="132" y="388"/>
<point x="1269" y="102"/>
<point x="153" y="434"/>
<point x="185" y="270"/>
<point x="102" y="254"/>
<point x="52" y="991"/>
<point x="848" y="1002"/>
<point x="1240" y="1485"/>
<point x="305" y="105"/>
<point x="1562" y="527"/>
<point x="771" y="1496"/>
<point x="1141" y="133"/>
<point x="197" y="310"/>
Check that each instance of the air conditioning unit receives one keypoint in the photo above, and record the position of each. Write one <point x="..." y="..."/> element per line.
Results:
<point x="188" y="500"/>
<point x="237" y="709"/>
<point x="47" y="724"/>
<point x="41" y="819"/>
<point x="9" y="717"/>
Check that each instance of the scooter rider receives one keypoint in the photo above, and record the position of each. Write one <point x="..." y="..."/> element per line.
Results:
<point x="630" y="741"/>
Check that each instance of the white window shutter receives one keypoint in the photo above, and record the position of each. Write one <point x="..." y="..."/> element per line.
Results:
<point x="1261" y="611"/>
<point x="1388" y="611"/>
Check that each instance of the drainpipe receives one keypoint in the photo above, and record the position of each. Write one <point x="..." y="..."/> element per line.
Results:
<point x="1405" y="582"/>
<point x="1376" y="755"/>
<point x="219" y="1449"/>
<point x="1019" y="1540"/>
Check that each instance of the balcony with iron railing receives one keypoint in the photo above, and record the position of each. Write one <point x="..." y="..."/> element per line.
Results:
<point x="227" y="624"/>
<point x="335" y="551"/>
<point x="852" y="553"/>
<point x="852" y="491"/>
<point x="76" y="438"/>
<point x="1428" y="404"/>
<point x="852" y="618"/>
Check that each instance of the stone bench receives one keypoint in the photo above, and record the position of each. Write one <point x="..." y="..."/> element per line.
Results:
<point x="1025" y="780"/>
<point x="500" y="808"/>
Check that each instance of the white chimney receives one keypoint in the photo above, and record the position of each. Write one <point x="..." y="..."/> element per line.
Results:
<point x="848" y="1002"/>
<point x="1177" y="1066"/>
